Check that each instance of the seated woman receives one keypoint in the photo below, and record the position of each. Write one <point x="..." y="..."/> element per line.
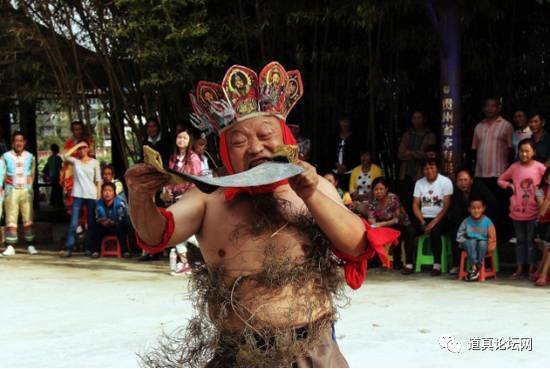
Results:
<point x="383" y="209"/>
<point x="431" y="201"/>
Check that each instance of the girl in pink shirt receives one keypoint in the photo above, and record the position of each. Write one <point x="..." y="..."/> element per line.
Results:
<point x="522" y="179"/>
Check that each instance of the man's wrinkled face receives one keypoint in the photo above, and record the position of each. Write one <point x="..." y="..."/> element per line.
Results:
<point x="464" y="181"/>
<point x="491" y="108"/>
<point x="253" y="142"/>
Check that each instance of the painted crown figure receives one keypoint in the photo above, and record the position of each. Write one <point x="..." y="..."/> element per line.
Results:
<point x="273" y="260"/>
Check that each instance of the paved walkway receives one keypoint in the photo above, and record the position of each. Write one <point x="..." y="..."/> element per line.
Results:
<point x="100" y="313"/>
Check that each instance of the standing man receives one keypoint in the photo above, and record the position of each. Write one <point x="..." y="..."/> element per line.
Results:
<point x="19" y="178"/>
<point x="492" y="142"/>
<point x="52" y="173"/>
<point x="346" y="152"/>
<point x="522" y="130"/>
<point x="540" y="137"/>
<point x="412" y="151"/>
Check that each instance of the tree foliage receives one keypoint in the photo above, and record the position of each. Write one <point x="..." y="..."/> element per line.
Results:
<point x="374" y="60"/>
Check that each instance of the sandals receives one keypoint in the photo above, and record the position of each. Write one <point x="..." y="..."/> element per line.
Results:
<point x="541" y="282"/>
<point x="534" y="276"/>
<point x="516" y="275"/>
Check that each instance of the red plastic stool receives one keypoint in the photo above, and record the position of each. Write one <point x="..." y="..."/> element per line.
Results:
<point x="483" y="274"/>
<point x="110" y="247"/>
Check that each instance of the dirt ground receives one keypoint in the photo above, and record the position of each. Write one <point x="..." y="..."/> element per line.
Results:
<point x="101" y="313"/>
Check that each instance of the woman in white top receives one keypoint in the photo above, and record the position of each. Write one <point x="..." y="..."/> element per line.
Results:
<point x="431" y="201"/>
<point x="86" y="191"/>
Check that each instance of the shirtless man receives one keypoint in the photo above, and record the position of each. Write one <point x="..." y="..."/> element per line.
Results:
<point x="237" y="247"/>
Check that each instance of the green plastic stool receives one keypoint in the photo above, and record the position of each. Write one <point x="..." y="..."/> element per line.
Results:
<point x="428" y="258"/>
<point x="495" y="258"/>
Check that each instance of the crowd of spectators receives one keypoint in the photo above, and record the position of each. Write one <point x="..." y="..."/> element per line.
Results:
<point x="505" y="198"/>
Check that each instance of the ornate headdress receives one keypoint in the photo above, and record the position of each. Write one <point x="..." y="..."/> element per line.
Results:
<point x="243" y="95"/>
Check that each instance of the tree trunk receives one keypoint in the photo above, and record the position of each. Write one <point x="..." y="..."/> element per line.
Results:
<point x="449" y="32"/>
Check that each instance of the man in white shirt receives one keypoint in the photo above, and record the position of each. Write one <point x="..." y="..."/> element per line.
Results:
<point x="431" y="202"/>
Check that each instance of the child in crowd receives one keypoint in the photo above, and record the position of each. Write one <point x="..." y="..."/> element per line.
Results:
<point x="476" y="235"/>
<point x="199" y="147"/>
<point x="540" y="277"/>
<point x="112" y="217"/>
<point x="522" y="179"/>
<point x="108" y="176"/>
<point x="345" y="196"/>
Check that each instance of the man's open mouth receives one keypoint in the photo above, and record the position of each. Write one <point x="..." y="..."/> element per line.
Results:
<point x="256" y="162"/>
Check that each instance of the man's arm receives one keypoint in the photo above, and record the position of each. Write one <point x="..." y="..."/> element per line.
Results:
<point x="344" y="229"/>
<point x="143" y="181"/>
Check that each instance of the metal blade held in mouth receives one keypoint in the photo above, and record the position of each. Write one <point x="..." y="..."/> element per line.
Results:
<point x="263" y="174"/>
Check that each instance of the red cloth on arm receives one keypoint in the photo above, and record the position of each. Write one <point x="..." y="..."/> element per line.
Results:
<point x="355" y="268"/>
<point x="166" y="235"/>
<point x="230" y="193"/>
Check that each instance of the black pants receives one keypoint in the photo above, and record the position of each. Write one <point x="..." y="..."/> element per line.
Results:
<point x="406" y="189"/>
<point x="435" y="237"/>
<point x="408" y="233"/>
<point x="56" y="198"/>
<point x="120" y="231"/>
<point x="456" y="250"/>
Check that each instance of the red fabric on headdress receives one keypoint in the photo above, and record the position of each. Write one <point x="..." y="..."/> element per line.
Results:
<point x="355" y="268"/>
<point x="230" y="193"/>
<point x="166" y="235"/>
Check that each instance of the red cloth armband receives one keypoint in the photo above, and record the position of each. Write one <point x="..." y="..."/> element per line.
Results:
<point x="355" y="267"/>
<point x="168" y="232"/>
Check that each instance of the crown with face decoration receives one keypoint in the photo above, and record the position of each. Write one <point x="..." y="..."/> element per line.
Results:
<point x="242" y="95"/>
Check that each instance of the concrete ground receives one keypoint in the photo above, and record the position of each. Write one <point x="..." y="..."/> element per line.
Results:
<point x="101" y="313"/>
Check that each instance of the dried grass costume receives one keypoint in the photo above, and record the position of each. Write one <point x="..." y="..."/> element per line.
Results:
<point x="205" y="341"/>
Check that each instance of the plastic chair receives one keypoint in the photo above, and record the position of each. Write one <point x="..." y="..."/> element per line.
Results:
<point x="110" y="247"/>
<point x="424" y="255"/>
<point x="483" y="273"/>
